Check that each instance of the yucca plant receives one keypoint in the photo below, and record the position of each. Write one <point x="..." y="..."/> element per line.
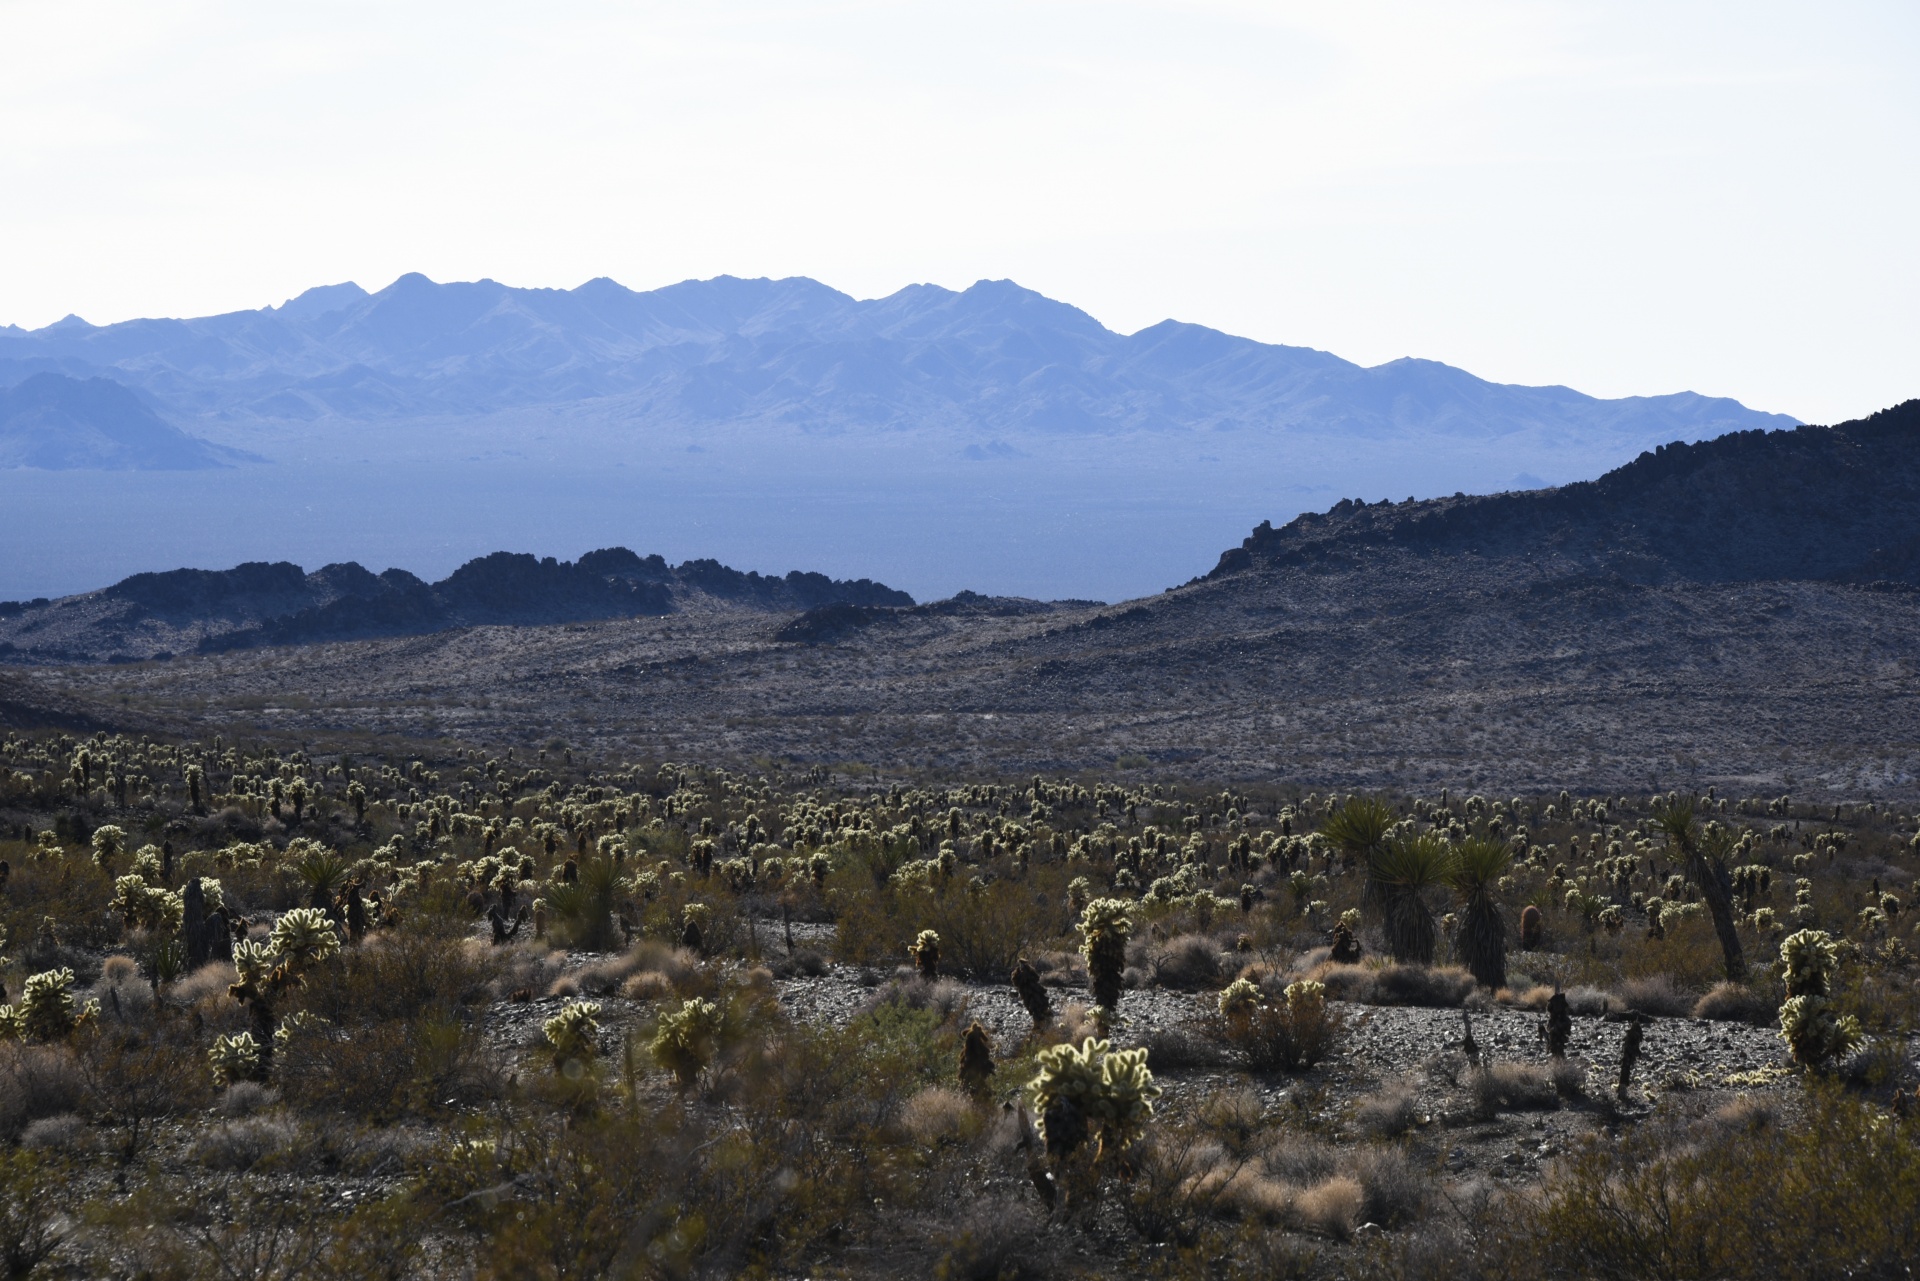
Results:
<point x="323" y="872"/>
<point x="1399" y="874"/>
<point x="1474" y="872"/>
<point x="1706" y="853"/>
<point x="1359" y="828"/>
<point x="580" y="911"/>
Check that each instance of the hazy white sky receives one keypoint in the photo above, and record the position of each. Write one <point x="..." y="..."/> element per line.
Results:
<point x="1626" y="198"/>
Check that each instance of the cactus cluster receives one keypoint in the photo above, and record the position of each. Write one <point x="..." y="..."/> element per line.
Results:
<point x="573" y="1035"/>
<point x="47" y="1010"/>
<point x="687" y="1039"/>
<point x="1105" y="927"/>
<point x="1092" y="1092"/>
<point x="1815" y="1035"/>
<point x="235" y="1058"/>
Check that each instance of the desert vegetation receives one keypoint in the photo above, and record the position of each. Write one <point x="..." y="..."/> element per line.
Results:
<point x="431" y="1009"/>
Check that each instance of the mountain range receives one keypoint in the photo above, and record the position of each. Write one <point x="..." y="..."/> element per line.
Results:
<point x="988" y="437"/>
<point x="993" y="360"/>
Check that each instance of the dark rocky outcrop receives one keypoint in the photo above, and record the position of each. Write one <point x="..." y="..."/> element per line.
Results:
<point x="260" y="603"/>
<point x="1828" y="504"/>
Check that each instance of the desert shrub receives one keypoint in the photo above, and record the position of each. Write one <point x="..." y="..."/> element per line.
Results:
<point x="65" y="1132"/>
<point x="243" y="1144"/>
<point x="1735" y="1003"/>
<point x="1394" y="1190"/>
<point x="1657" y="995"/>
<point x="389" y="1069"/>
<point x="1186" y="962"/>
<point x="1288" y="1031"/>
<point x="1389" y="1113"/>
<point x="1437" y="986"/>
<point x="1838" y="1194"/>
<point x="36" y="1081"/>
<point x="1512" y="1087"/>
<point x="34" y="1217"/>
<point x="1332" y="1207"/>
<point x="244" y="1098"/>
<point x="135" y="1076"/>
<point x="939" y="1114"/>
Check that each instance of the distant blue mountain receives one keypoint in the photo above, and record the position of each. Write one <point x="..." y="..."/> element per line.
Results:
<point x="994" y="361"/>
<point x="57" y="423"/>
<point x="989" y="438"/>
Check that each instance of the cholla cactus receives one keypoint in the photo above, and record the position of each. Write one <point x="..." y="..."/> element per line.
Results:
<point x="1092" y="1092"/>
<point x="687" y="1039"/>
<point x="925" y="952"/>
<point x="145" y="906"/>
<point x="47" y="1010"/>
<point x="296" y="1024"/>
<point x="253" y="962"/>
<point x="1814" y="1034"/>
<point x="573" y="1034"/>
<point x="234" y="1058"/>
<point x="1240" y="999"/>
<point x="301" y="937"/>
<point x="108" y="842"/>
<point x="1105" y="926"/>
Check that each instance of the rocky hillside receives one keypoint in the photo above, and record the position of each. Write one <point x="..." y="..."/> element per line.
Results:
<point x="1741" y="613"/>
<point x="1830" y="504"/>
<point x="260" y="604"/>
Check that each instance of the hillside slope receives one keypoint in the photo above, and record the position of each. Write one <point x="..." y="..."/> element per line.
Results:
<point x="57" y="423"/>
<point x="1740" y="613"/>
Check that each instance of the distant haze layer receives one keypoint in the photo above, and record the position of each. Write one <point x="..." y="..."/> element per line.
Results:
<point x="989" y="438"/>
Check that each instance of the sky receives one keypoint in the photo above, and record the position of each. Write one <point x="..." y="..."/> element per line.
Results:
<point x="1627" y="198"/>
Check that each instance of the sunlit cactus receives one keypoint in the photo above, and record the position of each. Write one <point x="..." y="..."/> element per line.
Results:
<point x="925" y="951"/>
<point x="687" y="1040"/>
<point x="303" y="937"/>
<point x="235" y="1058"/>
<point x="1092" y="1092"/>
<point x="109" y="842"/>
<point x="1815" y="1036"/>
<point x="47" y="1010"/>
<point x="573" y="1034"/>
<point x="1105" y="927"/>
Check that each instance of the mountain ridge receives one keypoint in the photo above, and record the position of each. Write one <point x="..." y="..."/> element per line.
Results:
<point x="261" y="603"/>
<point x="993" y="356"/>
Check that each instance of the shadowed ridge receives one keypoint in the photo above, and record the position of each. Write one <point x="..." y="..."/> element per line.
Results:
<point x="1837" y="503"/>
